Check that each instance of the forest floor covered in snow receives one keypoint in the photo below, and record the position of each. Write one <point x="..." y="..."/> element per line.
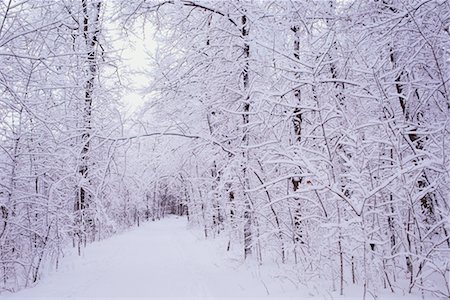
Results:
<point x="165" y="259"/>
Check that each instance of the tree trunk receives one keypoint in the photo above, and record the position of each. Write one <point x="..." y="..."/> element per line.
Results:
<point x="90" y="35"/>
<point x="245" y="139"/>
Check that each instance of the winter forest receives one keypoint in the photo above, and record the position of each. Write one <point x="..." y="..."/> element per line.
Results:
<point x="310" y="135"/>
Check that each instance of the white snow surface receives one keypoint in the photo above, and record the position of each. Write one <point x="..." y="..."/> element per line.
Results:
<point x="162" y="260"/>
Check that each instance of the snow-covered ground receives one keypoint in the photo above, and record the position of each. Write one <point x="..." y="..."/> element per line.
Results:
<point x="158" y="260"/>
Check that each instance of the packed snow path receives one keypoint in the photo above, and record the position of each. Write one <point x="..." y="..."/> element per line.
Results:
<point x="157" y="260"/>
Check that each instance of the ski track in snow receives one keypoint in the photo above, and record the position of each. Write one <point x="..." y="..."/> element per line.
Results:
<point x="162" y="260"/>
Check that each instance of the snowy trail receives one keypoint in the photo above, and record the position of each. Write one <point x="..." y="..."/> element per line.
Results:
<point x="158" y="260"/>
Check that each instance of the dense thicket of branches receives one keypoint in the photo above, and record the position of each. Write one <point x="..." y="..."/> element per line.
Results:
<point x="57" y="176"/>
<point x="326" y="132"/>
<point x="312" y="133"/>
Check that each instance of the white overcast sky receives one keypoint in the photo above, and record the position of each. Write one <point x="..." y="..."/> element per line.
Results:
<point x="136" y="49"/>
